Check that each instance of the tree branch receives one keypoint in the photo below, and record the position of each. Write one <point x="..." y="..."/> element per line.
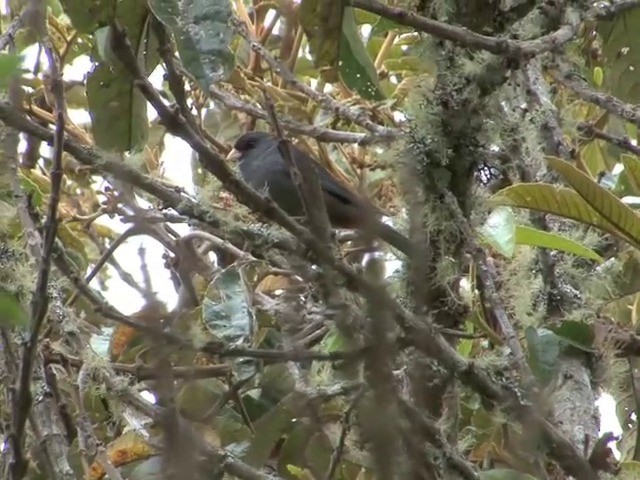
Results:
<point x="467" y="38"/>
<point x="611" y="104"/>
<point x="359" y="117"/>
<point x="40" y="299"/>
<point x="233" y="102"/>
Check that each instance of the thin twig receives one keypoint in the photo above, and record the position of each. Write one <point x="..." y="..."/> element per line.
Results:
<point x="142" y="372"/>
<point x="138" y="229"/>
<point x="610" y="103"/>
<point x="338" y="451"/>
<point x="434" y="435"/>
<point x="626" y="143"/>
<point x="10" y="33"/>
<point x="359" y="117"/>
<point x="492" y="302"/>
<point x="40" y="300"/>
<point x="233" y="102"/>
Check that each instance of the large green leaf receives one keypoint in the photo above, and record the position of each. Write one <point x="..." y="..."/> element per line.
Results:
<point x="196" y="398"/>
<point x="543" y="351"/>
<point x="500" y="231"/>
<point x="11" y="312"/>
<point x="577" y="334"/>
<point x="619" y="215"/>
<point x="620" y="46"/>
<point x="548" y="198"/>
<point x="356" y="67"/>
<point x="118" y="110"/>
<point x="203" y="35"/>
<point x="291" y="452"/>
<point x="538" y="238"/>
<point x="87" y="16"/>
<point x="9" y="67"/>
<point x="269" y="429"/>
<point x="226" y="310"/>
<point x="322" y="23"/>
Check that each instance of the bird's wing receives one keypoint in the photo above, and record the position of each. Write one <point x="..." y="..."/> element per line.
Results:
<point x="328" y="183"/>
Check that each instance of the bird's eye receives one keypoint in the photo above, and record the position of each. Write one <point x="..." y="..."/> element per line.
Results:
<point x="246" y="145"/>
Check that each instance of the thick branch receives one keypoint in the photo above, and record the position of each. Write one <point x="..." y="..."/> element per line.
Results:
<point x="467" y="38"/>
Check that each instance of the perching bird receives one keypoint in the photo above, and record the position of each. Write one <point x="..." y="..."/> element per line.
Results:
<point x="263" y="168"/>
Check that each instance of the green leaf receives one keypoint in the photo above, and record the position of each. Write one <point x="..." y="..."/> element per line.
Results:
<point x="629" y="470"/>
<point x="10" y="65"/>
<point x="269" y="429"/>
<point x="538" y="238"/>
<point x="74" y="244"/>
<point x="291" y="453"/>
<point x="499" y="230"/>
<point x="31" y="187"/>
<point x="55" y="6"/>
<point x="118" y="110"/>
<point x="593" y="156"/>
<point x="619" y="215"/>
<point x="632" y="171"/>
<point x="504" y="474"/>
<point x="356" y="67"/>
<point x="318" y="453"/>
<point x="334" y="341"/>
<point x="548" y="198"/>
<point x="195" y="398"/>
<point x="322" y="23"/>
<point x="544" y="349"/>
<point x="226" y="310"/>
<point x="85" y="16"/>
<point x="466" y="344"/>
<point x="384" y="25"/>
<point x="231" y="428"/>
<point x="577" y="334"/>
<point x="11" y="312"/>
<point x="203" y="35"/>
<point x="620" y="42"/>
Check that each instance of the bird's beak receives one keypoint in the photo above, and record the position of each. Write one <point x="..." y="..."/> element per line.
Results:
<point x="234" y="155"/>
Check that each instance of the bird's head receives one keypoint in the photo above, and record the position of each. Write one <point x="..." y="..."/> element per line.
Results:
<point x="249" y="142"/>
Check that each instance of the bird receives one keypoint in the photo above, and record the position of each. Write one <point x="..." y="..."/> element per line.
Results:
<point x="262" y="167"/>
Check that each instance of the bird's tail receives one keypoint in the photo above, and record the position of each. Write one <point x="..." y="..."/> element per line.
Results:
<point x="394" y="238"/>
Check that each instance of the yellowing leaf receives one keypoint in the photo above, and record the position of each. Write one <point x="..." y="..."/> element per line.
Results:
<point x="623" y="219"/>
<point x="125" y="449"/>
<point x="632" y="169"/>
<point x="547" y="198"/>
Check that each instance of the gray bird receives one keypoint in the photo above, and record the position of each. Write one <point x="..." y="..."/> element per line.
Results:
<point x="263" y="168"/>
